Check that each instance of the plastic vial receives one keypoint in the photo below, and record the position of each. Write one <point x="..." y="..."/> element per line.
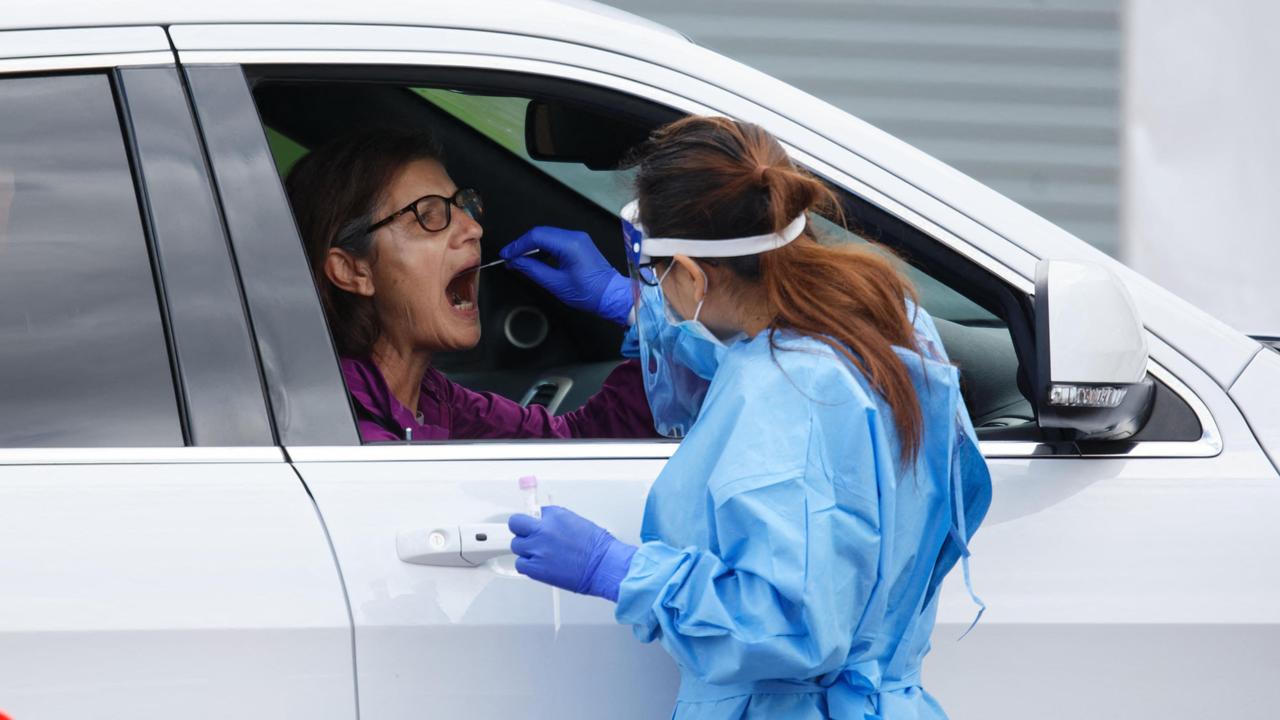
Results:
<point x="529" y="486"/>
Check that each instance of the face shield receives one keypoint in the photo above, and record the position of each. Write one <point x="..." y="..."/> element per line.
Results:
<point x="678" y="356"/>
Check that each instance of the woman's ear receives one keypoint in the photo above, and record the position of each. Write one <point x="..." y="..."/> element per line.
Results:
<point x="697" y="278"/>
<point x="348" y="272"/>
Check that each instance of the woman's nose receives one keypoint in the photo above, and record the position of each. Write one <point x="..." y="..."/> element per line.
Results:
<point x="468" y="229"/>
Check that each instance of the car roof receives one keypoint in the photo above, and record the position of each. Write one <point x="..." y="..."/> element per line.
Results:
<point x="543" y="17"/>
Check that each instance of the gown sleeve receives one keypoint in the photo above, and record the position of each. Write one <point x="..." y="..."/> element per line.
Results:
<point x="796" y="536"/>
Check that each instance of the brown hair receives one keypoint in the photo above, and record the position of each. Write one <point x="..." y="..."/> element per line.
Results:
<point x="334" y="192"/>
<point x="716" y="178"/>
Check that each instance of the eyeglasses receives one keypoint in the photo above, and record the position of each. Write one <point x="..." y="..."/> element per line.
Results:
<point x="647" y="274"/>
<point x="435" y="212"/>
<point x="651" y="273"/>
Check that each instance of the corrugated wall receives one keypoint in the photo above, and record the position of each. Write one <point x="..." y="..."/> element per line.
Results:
<point x="1021" y="94"/>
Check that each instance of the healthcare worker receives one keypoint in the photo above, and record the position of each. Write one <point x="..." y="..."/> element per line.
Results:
<point x="828" y="476"/>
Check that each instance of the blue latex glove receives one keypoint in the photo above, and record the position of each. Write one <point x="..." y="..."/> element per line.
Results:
<point x="581" y="279"/>
<point x="569" y="551"/>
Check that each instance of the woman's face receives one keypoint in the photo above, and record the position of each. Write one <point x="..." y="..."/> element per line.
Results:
<point x="423" y="289"/>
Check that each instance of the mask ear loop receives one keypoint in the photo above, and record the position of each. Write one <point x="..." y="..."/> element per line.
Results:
<point x="706" y="290"/>
<point x="706" y="281"/>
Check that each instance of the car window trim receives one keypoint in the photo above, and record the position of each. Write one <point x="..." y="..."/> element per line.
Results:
<point x="139" y="455"/>
<point x="84" y="41"/>
<point x="66" y="49"/>
<point x="217" y="373"/>
<point x="305" y="390"/>
<point x="146" y="217"/>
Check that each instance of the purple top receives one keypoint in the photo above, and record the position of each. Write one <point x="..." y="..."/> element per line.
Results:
<point x="452" y="412"/>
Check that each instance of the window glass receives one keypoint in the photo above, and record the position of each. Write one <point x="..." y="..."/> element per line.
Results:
<point x="940" y="300"/>
<point x="501" y="119"/>
<point x="83" y="358"/>
<point x="286" y="151"/>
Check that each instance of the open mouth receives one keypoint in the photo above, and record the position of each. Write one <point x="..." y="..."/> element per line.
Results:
<point x="461" y="290"/>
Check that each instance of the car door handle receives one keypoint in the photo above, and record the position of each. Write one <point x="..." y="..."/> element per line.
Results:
<point x="454" y="545"/>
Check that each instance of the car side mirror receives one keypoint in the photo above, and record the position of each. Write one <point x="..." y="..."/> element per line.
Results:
<point x="1091" y="353"/>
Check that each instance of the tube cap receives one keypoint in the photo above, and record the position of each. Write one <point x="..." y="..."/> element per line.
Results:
<point x="528" y="482"/>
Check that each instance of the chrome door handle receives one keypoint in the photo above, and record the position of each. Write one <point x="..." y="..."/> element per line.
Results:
<point x="454" y="545"/>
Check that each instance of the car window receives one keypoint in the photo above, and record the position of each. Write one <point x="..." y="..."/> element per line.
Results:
<point x="83" y="354"/>
<point x="484" y="136"/>
<point x="978" y="340"/>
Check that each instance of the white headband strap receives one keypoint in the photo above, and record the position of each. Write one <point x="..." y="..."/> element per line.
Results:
<point x="729" y="247"/>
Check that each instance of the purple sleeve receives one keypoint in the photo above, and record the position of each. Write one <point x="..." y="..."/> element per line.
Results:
<point x="364" y="384"/>
<point x="618" y="410"/>
<point x="372" y="432"/>
<point x="475" y="415"/>
<point x="379" y="418"/>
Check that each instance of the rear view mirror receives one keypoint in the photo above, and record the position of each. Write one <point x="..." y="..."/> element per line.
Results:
<point x="557" y="132"/>
<point x="1091" y="353"/>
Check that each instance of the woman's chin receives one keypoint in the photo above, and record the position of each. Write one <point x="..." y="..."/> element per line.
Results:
<point x="455" y="332"/>
<point x="466" y="339"/>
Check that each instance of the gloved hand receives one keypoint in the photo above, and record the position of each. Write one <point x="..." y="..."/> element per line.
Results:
<point x="569" y="551"/>
<point x="582" y="278"/>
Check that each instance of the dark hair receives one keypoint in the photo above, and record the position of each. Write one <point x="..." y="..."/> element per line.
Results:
<point x="716" y="178"/>
<point x="334" y="192"/>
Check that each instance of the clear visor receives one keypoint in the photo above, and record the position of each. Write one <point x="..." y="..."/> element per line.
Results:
<point x="675" y="393"/>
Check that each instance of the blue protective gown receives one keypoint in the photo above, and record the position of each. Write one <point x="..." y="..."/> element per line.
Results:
<point x="790" y="561"/>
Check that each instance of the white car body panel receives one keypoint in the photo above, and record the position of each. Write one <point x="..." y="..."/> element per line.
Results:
<point x="1127" y="589"/>
<point x="480" y="642"/>
<point x="165" y="590"/>
<point x="1255" y="393"/>
<point x="1141" y="585"/>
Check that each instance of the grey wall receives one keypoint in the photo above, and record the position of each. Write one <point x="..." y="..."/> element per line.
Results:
<point x="1020" y="94"/>
<point x="1202" y="157"/>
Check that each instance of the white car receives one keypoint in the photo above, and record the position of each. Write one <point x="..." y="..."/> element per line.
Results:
<point x="191" y="528"/>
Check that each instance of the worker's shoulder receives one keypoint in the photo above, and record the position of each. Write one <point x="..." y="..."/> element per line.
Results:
<point x="785" y="365"/>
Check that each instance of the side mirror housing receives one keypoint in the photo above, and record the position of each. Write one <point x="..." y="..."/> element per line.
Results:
<point x="1091" y="353"/>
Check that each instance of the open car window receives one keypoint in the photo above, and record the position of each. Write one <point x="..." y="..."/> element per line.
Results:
<point x="535" y="350"/>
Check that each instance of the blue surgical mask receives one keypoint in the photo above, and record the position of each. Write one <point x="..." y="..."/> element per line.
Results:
<point x="678" y="359"/>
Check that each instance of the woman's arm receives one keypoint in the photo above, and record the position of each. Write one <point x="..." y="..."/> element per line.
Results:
<point x="618" y="410"/>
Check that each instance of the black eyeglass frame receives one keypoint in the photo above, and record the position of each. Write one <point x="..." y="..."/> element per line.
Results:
<point x="647" y="273"/>
<point x="449" y="203"/>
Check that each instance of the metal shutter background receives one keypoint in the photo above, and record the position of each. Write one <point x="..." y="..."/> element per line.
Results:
<point x="1021" y="94"/>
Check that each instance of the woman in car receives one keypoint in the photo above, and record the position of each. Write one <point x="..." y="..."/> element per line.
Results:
<point x="394" y="245"/>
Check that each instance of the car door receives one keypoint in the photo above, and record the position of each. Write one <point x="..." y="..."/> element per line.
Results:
<point x="160" y="558"/>
<point x="1097" y="561"/>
